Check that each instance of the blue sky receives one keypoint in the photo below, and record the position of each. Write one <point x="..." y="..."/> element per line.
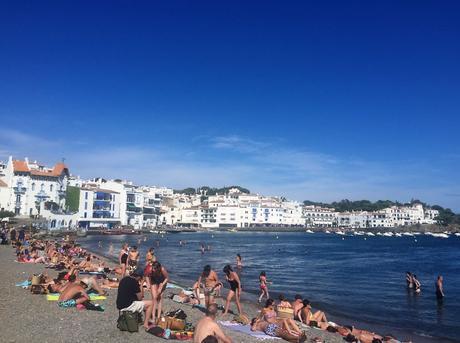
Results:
<point x="319" y="101"/>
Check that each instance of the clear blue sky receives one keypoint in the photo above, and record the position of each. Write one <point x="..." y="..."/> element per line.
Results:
<point x="311" y="100"/>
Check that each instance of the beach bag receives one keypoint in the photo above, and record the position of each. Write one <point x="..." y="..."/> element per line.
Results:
<point x="285" y="312"/>
<point x="128" y="321"/>
<point x="35" y="280"/>
<point x="242" y="319"/>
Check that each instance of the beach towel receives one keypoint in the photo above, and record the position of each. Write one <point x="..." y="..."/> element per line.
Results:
<point x="55" y="297"/>
<point x="24" y="284"/>
<point x="171" y="285"/>
<point x="246" y="329"/>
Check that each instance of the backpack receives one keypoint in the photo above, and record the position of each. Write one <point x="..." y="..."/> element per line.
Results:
<point x="128" y="321"/>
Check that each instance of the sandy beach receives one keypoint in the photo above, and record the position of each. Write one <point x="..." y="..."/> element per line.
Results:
<point x="27" y="317"/>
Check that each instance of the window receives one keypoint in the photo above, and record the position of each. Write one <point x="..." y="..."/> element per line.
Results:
<point x="51" y="188"/>
<point x="86" y="205"/>
<point x="86" y="195"/>
<point x="42" y="187"/>
<point x="85" y="215"/>
<point x="33" y="186"/>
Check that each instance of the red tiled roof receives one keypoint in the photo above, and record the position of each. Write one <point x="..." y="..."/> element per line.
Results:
<point x="20" y="166"/>
<point x="3" y="184"/>
<point x="59" y="168"/>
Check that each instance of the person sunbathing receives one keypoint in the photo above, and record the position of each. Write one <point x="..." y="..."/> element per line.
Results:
<point x="351" y="334"/>
<point x="72" y="294"/>
<point x="269" y="314"/>
<point x="313" y="319"/>
<point x="297" y="305"/>
<point x="275" y="330"/>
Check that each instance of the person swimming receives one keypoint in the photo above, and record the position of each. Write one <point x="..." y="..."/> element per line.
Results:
<point x="239" y="261"/>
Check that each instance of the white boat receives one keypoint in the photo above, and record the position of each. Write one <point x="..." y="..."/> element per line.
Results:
<point x="327" y="231"/>
<point x="407" y="234"/>
<point x="417" y="233"/>
<point x="340" y="233"/>
<point x="429" y="233"/>
<point x="379" y="234"/>
<point x="358" y="233"/>
<point x="309" y="231"/>
<point x="398" y="234"/>
<point x="370" y="234"/>
<point x="440" y="235"/>
<point x="388" y="234"/>
<point x="457" y="234"/>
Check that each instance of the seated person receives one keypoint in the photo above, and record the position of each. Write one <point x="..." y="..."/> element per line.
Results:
<point x="207" y="326"/>
<point x="72" y="294"/>
<point x="131" y="293"/>
<point x="283" y="302"/>
<point x="313" y="319"/>
<point x="275" y="330"/>
<point x="270" y="316"/>
<point x="297" y="305"/>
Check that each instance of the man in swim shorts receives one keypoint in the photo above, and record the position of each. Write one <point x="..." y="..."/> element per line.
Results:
<point x="274" y="330"/>
<point x="72" y="294"/>
<point x="207" y="326"/>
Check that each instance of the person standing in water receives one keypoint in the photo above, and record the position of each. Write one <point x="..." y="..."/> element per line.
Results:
<point x="235" y="289"/>
<point x="439" y="289"/>
<point x="409" y="280"/>
<point x="263" y="286"/>
<point x="239" y="261"/>
<point x="210" y="281"/>
<point x="417" y="284"/>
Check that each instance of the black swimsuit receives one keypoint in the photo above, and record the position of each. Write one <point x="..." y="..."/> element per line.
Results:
<point x="233" y="285"/>
<point x="124" y="257"/>
<point x="157" y="278"/>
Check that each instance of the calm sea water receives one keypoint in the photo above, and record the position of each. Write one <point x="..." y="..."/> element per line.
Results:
<point x="355" y="280"/>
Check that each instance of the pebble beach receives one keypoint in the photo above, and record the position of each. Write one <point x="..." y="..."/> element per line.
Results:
<point x="27" y="317"/>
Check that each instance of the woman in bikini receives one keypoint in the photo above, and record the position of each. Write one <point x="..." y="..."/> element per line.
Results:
<point x="235" y="288"/>
<point x="122" y="258"/>
<point x="263" y="286"/>
<point x="269" y="314"/>
<point x="209" y="279"/>
<point x="158" y="281"/>
<point x="313" y="319"/>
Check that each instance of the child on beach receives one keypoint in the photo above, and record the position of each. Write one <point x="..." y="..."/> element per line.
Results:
<point x="263" y="286"/>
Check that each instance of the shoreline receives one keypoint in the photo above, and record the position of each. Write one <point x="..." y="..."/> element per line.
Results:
<point x="42" y="320"/>
<point x="249" y="299"/>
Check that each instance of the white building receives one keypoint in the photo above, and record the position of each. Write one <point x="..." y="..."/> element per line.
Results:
<point x="25" y="185"/>
<point x="317" y="216"/>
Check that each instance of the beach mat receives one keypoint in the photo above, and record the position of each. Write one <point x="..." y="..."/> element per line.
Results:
<point x="55" y="297"/>
<point x="246" y="329"/>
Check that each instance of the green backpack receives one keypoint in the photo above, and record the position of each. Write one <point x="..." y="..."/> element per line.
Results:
<point x="128" y="321"/>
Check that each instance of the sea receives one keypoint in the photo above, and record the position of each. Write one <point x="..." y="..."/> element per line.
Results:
<point x="357" y="280"/>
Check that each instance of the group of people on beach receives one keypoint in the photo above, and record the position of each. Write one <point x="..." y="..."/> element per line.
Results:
<point x="80" y="272"/>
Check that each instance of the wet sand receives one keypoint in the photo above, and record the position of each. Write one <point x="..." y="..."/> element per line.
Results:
<point x="26" y="317"/>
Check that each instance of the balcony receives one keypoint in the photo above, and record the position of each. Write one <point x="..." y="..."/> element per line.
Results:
<point x="19" y="190"/>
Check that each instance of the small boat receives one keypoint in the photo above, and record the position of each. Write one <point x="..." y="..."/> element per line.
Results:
<point x="440" y="235"/>
<point x="340" y="233"/>
<point x="327" y="231"/>
<point x="233" y="230"/>
<point x="370" y="234"/>
<point x="398" y="234"/>
<point x="407" y="234"/>
<point x="429" y="233"/>
<point x="358" y="233"/>
<point x="309" y="231"/>
<point x="388" y="234"/>
<point x="457" y="234"/>
<point x="379" y="234"/>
